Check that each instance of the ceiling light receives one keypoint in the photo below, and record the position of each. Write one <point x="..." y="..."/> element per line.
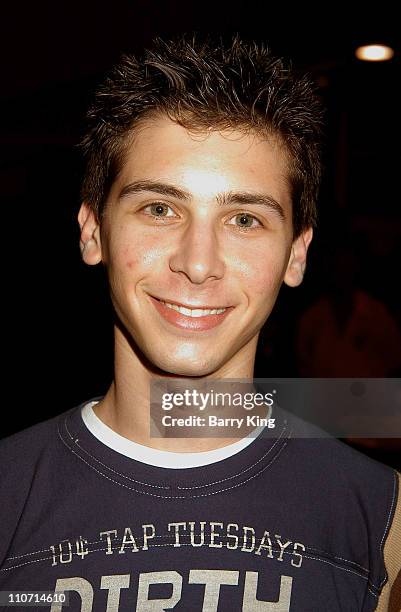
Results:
<point x="374" y="53"/>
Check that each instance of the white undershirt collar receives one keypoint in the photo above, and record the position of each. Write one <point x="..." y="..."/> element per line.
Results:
<point x="155" y="457"/>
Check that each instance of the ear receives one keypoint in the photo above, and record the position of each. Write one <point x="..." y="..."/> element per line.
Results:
<point x="90" y="244"/>
<point x="297" y="261"/>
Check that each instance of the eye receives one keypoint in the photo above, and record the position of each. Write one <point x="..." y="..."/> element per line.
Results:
<point x="159" y="210"/>
<point x="245" y="221"/>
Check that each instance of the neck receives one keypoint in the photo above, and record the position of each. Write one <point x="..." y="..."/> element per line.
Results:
<point x="126" y="405"/>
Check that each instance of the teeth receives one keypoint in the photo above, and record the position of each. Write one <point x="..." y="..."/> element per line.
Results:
<point x="196" y="312"/>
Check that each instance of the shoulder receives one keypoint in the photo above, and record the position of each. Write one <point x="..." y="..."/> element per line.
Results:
<point x="25" y="457"/>
<point x="359" y="498"/>
<point x="23" y="446"/>
<point x="331" y="463"/>
<point x="26" y="453"/>
<point x="32" y="432"/>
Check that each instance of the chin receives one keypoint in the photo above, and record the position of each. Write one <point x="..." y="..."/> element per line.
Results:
<point x="187" y="367"/>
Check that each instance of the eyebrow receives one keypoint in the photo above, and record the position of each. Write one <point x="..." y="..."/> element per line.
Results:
<point x="229" y="198"/>
<point x="155" y="187"/>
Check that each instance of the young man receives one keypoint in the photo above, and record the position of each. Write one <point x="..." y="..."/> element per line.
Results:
<point x="199" y="199"/>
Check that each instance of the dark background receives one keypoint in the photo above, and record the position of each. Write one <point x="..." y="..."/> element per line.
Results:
<point x="57" y="325"/>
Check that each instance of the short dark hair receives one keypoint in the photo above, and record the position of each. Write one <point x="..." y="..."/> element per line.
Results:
<point x="206" y="86"/>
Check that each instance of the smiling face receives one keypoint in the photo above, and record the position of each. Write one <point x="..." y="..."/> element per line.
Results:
<point x="197" y="239"/>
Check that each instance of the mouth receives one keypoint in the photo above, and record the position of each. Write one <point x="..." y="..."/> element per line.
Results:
<point x="195" y="312"/>
<point x="197" y="318"/>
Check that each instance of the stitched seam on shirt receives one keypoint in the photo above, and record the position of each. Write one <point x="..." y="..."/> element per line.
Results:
<point x="106" y="466"/>
<point x="183" y="544"/>
<point x="181" y="488"/>
<point x="209" y="484"/>
<point x="115" y="481"/>
<point x="141" y="539"/>
<point x="179" y="496"/>
<point x="387" y="527"/>
<point x="319" y="550"/>
<point x="141" y="482"/>
<point x="375" y="595"/>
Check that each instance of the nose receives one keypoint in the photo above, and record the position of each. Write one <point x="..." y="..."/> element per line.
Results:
<point x="198" y="254"/>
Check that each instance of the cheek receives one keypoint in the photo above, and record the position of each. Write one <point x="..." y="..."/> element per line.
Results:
<point x="132" y="255"/>
<point x="261" y="276"/>
<point x="267" y="283"/>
